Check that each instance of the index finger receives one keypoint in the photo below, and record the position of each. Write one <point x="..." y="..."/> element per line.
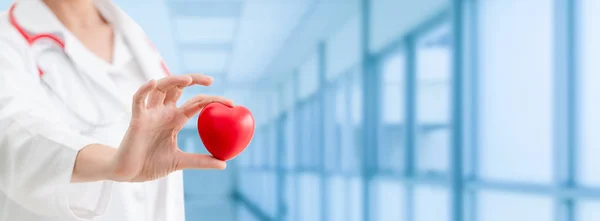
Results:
<point x="200" y="79"/>
<point x="166" y="83"/>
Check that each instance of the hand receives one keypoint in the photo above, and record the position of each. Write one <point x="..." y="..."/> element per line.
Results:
<point x="149" y="149"/>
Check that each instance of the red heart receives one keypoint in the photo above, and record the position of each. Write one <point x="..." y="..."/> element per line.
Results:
<point x="225" y="131"/>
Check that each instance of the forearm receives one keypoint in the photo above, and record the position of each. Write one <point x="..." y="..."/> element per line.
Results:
<point x="93" y="163"/>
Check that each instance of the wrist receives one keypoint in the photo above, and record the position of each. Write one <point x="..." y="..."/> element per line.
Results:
<point x="94" y="162"/>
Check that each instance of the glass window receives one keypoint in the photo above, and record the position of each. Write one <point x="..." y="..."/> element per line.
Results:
<point x="587" y="211"/>
<point x="356" y="98"/>
<point x="393" y="72"/>
<point x="433" y="58"/>
<point x="589" y="91"/>
<point x="502" y="206"/>
<point x="265" y="149"/>
<point x="516" y="88"/>
<point x="390" y="151"/>
<point x="290" y="143"/>
<point x="431" y="203"/>
<point x="310" y="197"/>
<point x="351" y="129"/>
<point x="341" y="123"/>
<point x="337" y="199"/>
<point x="389" y="200"/>
<point x="316" y="147"/>
<point x="331" y="132"/>
<point x="291" y="197"/>
<point x="305" y="135"/>
<point x="268" y="199"/>
<point x="257" y="148"/>
<point x="271" y="145"/>
<point x="355" y="200"/>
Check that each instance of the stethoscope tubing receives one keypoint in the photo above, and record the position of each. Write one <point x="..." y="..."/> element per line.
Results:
<point x="31" y="40"/>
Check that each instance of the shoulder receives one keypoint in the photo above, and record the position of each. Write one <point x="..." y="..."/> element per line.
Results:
<point x="12" y="44"/>
<point x="14" y="50"/>
<point x="9" y="35"/>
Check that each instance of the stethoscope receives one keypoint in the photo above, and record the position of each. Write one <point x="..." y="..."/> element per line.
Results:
<point x="31" y="40"/>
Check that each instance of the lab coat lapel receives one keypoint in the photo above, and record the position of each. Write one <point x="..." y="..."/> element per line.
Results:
<point x="95" y="73"/>
<point x="147" y="57"/>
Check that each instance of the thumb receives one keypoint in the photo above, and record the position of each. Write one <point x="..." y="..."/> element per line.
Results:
<point x="199" y="161"/>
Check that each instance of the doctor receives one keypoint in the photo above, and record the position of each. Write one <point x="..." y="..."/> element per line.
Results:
<point x="88" y="117"/>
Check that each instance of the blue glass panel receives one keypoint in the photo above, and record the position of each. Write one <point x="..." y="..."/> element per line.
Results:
<point x="433" y="57"/>
<point x="388" y="196"/>
<point x="352" y="130"/>
<point x="268" y="198"/>
<point x="516" y="90"/>
<point x="589" y="91"/>
<point x="309" y="198"/>
<point x="336" y="190"/>
<point x="316" y="144"/>
<point x="355" y="199"/>
<point x="587" y="211"/>
<point x="331" y="150"/>
<point x="291" y="198"/>
<point x="290" y="148"/>
<point x="390" y="150"/>
<point x="431" y="203"/>
<point x="501" y="206"/>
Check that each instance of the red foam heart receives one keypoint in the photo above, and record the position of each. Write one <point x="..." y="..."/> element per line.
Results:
<point x="225" y="131"/>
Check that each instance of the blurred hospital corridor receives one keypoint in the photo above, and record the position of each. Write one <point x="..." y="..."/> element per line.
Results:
<point x="392" y="110"/>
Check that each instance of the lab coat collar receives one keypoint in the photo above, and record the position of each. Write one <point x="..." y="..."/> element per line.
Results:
<point x="35" y="18"/>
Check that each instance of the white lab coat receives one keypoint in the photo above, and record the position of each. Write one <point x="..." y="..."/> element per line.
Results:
<point x="45" y="121"/>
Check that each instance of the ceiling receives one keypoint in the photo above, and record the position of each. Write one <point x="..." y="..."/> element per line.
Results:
<point x="232" y="39"/>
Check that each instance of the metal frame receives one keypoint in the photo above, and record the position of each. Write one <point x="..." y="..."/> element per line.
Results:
<point x="410" y="115"/>
<point x="370" y="111"/>
<point x="472" y="171"/>
<point x="456" y="150"/>
<point x="565" y="105"/>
